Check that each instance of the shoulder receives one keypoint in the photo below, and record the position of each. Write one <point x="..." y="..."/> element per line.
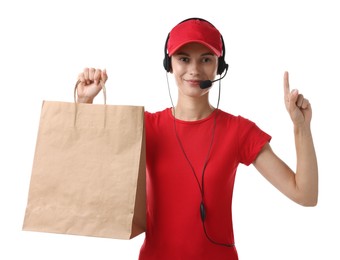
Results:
<point x="235" y="120"/>
<point x="154" y="115"/>
<point x="157" y="118"/>
<point x="240" y="125"/>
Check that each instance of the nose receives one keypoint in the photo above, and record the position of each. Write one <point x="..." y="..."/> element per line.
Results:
<point x="194" y="68"/>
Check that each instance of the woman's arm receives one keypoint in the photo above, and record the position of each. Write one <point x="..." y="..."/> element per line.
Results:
<point x="302" y="185"/>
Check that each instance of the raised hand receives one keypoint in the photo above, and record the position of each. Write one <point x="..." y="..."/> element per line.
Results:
<point x="298" y="107"/>
<point x="91" y="81"/>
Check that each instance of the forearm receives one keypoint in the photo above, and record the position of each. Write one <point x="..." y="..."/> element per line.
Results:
<point x="306" y="169"/>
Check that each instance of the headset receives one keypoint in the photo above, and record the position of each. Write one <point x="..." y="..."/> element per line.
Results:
<point x="222" y="65"/>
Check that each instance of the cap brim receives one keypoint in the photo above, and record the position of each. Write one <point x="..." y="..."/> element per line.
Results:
<point x="214" y="50"/>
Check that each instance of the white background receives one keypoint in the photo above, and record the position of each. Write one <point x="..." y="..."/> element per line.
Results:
<point x="45" y="45"/>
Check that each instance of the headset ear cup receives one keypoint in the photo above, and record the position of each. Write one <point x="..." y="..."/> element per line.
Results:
<point x="167" y="63"/>
<point x="222" y="65"/>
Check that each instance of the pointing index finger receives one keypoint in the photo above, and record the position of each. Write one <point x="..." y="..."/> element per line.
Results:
<point x="286" y="85"/>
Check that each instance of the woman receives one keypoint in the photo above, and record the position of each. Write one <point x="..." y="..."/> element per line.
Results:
<point x="194" y="149"/>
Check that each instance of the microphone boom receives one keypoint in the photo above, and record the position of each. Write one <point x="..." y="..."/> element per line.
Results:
<point x="208" y="83"/>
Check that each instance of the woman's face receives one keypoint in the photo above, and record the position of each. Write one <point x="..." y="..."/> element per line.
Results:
<point x="192" y="64"/>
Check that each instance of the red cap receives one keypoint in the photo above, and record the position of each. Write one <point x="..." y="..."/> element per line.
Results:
<point x="195" y="30"/>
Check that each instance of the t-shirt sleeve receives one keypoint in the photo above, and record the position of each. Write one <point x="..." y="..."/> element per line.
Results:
<point x="251" y="140"/>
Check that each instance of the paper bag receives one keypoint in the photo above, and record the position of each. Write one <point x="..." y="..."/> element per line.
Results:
<point x="88" y="175"/>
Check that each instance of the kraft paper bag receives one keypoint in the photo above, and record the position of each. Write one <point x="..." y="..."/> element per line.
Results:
<point x="88" y="174"/>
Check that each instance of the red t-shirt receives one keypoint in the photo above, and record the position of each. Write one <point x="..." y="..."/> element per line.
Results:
<point x="174" y="225"/>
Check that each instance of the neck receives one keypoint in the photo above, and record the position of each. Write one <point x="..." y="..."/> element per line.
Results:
<point x="192" y="109"/>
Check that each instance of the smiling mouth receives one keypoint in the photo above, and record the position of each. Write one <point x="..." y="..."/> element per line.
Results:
<point x="193" y="82"/>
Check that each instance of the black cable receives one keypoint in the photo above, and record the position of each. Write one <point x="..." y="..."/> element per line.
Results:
<point x="201" y="187"/>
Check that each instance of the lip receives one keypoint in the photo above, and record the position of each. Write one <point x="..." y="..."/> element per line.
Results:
<point x="193" y="82"/>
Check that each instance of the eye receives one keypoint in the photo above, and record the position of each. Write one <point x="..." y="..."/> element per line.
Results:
<point x="183" y="59"/>
<point x="206" y="59"/>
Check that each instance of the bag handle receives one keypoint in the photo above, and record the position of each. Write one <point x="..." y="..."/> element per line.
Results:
<point x="76" y="107"/>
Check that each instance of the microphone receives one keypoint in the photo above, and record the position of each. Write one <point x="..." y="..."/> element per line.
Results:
<point x="208" y="83"/>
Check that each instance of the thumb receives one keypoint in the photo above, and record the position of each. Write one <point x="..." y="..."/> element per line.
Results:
<point x="293" y="97"/>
